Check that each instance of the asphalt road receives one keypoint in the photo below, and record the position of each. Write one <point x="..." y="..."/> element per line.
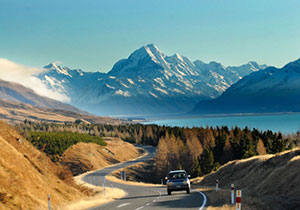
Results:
<point x="145" y="197"/>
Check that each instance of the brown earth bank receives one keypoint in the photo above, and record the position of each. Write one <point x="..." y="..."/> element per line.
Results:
<point x="83" y="157"/>
<point x="268" y="182"/>
<point x="27" y="176"/>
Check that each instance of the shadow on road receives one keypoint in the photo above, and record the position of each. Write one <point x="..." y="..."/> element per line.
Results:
<point x="177" y="201"/>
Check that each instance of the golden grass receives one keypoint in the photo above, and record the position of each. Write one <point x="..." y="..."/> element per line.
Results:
<point x="99" y="198"/>
<point x="111" y="194"/>
<point x="27" y="176"/>
<point x="14" y="112"/>
<point x="83" y="157"/>
<point x="267" y="182"/>
<point x="115" y="179"/>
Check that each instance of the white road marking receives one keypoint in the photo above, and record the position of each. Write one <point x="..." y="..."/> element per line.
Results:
<point x="148" y="204"/>
<point x="204" y="200"/>
<point x="122" y="205"/>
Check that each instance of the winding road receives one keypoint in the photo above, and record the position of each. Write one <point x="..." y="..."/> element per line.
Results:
<point x="141" y="197"/>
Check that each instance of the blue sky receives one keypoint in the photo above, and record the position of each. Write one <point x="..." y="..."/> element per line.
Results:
<point x="94" y="34"/>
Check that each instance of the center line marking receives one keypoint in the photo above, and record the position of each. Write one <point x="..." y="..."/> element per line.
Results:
<point x="122" y="205"/>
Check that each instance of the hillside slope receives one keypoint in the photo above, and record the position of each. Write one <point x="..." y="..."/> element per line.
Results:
<point x="272" y="179"/>
<point x="14" y="112"/>
<point x="27" y="175"/>
<point x="83" y="157"/>
<point x="15" y="92"/>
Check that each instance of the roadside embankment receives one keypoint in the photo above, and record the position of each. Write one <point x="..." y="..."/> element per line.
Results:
<point x="27" y="176"/>
<point x="268" y="182"/>
<point x="83" y="157"/>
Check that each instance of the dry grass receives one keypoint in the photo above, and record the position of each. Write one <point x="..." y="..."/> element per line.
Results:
<point x="14" y="112"/>
<point x="27" y="176"/>
<point x="115" y="179"/>
<point x="97" y="199"/>
<point x="84" y="157"/>
<point x="221" y="200"/>
<point x="268" y="182"/>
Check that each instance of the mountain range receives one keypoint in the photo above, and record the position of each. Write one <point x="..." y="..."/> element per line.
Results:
<point x="147" y="82"/>
<point x="266" y="91"/>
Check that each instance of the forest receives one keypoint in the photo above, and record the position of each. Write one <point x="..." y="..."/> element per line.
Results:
<point x="197" y="150"/>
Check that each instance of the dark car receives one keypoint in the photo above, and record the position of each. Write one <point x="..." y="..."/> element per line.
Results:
<point x="177" y="181"/>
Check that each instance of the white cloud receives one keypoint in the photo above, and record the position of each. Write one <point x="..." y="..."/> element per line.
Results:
<point x="25" y="75"/>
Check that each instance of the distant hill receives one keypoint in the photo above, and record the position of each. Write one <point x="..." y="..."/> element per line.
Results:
<point x="147" y="82"/>
<point x="13" y="112"/>
<point x="272" y="180"/>
<point x="14" y="92"/>
<point x="265" y="91"/>
<point x="18" y="103"/>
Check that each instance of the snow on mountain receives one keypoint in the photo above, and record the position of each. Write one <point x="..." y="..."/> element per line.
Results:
<point x="269" y="90"/>
<point x="67" y="81"/>
<point x="146" y="82"/>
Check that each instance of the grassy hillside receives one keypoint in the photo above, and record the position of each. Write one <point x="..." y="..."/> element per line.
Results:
<point x="15" y="112"/>
<point x="83" y="157"/>
<point x="27" y="175"/>
<point x="272" y="180"/>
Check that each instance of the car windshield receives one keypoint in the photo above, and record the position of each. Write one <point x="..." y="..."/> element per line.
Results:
<point x="177" y="175"/>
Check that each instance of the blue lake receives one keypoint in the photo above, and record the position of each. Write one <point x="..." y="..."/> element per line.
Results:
<point x="285" y="123"/>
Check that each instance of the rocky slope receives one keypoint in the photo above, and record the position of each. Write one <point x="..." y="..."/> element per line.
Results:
<point x="269" y="90"/>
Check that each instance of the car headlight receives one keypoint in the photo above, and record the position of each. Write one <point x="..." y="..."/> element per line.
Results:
<point x="170" y="183"/>
<point x="185" y="182"/>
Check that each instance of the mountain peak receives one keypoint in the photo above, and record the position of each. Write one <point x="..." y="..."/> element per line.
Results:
<point x="60" y="70"/>
<point x="51" y="65"/>
<point x="292" y="66"/>
<point x="147" y="50"/>
<point x="153" y="46"/>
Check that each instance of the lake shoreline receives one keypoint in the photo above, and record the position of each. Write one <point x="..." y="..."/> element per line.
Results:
<point x="285" y="122"/>
<point x="155" y="118"/>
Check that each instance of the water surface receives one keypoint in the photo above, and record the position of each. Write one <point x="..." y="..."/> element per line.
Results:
<point x="285" y="123"/>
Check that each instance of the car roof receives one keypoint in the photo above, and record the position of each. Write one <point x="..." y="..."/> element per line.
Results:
<point x="177" y="171"/>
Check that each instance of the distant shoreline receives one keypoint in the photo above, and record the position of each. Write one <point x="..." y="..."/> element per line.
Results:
<point x="156" y="118"/>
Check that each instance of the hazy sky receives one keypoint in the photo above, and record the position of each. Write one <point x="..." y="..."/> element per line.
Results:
<point x="94" y="34"/>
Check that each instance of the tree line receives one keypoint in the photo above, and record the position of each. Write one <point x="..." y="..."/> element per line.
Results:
<point x="197" y="150"/>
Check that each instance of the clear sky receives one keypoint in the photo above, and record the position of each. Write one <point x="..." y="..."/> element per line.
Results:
<point x="94" y="34"/>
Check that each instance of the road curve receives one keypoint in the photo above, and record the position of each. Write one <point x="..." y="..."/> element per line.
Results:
<point x="141" y="197"/>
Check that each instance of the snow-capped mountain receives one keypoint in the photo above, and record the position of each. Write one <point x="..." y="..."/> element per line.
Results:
<point x="147" y="82"/>
<point x="67" y="81"/>
<point x="269" y="90"/>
